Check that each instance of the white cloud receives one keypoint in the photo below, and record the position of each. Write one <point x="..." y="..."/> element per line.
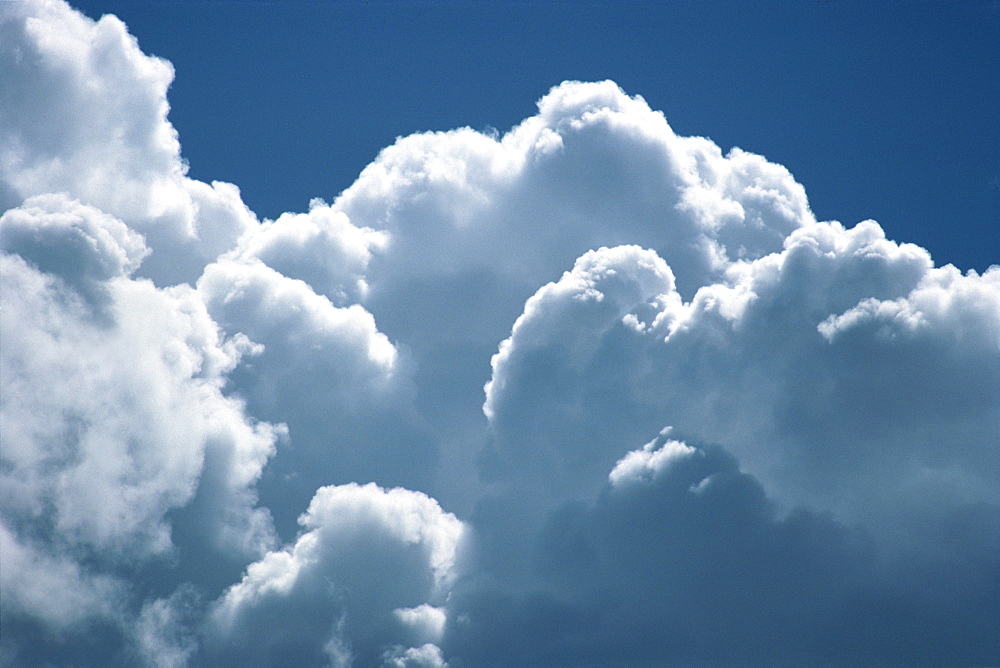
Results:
<point x="163" y="633"/>
<point x="856" y="382"/>
<point x="475" y="223"/>
<point x="425" y="656"/>
<point x="112" y="413"/>
<point x="298" y="326"/>
<point x="365" y="575"/>
<point x="684" y="558"/>
<point x="85" y="113"/>
<point x="840" y="419"/>
<point x="340" y="385"/>
<point x="645" y="464"/>
<point x="50" y="588"/>
<point x="320" y="247"/>
<point x="501" y="216"/>
<point x="556" y="355"/>
<point x="425" y="620"/>
<point x="79" y="243"/>
<point x="841" y="370"/>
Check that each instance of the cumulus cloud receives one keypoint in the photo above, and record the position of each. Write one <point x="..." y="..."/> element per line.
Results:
<point x="95" y="394"/>
<point x="112" y="414"/>
<point x="164" y="631"/>
<point x="682" y="558"/>
<point x="51" y="588"/>
<point x="79" y="243"/>
<point x="85" y="113"/>
<point x="489" y="219"/>
<point x="763" y="363"/>
<point x="857" y="384"/>
<point x="327" y="372"/>
<point x="404" y="428"/>
<point x="483" y="221"/>
<point x="425" y="656"/>
<point x="594" y="168"/>
<point x="321" y="248"/>
<point x="361" y="582"/>
<point x="679" y="555"/>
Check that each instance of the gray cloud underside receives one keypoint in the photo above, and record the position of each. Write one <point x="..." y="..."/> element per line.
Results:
<point x="406" y="428"/>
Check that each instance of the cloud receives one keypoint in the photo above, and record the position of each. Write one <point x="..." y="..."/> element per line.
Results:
<point x="164" y="630"/>
<point x="594" y="168"/>
<point x="475" y="223"/>
<point x="51" y="588"/>
<point x="112" y="416"/>
<point x="846" y="370"/>
<point x="681" y="555"/>
<point x="425" y="656"/>
<point x="404" y="428"/>
<point x="320" y="247"/>
<point x="489" y="219"/>
<point x="857" y="384"/>
<point x="340" y="385"/>
<point x="682" y="558"/>
<point x="85" y="113"/>
<point x="363" y="579"/>
<point x="79" y="243"/>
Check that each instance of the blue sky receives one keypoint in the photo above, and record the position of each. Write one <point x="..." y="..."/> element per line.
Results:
<point x="885" y="111"/>
<point x="499" y="334"/>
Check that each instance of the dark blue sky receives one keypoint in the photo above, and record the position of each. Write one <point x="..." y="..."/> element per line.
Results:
<point x="884" y="110"/>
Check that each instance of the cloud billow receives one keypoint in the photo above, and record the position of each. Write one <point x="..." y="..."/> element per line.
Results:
<point x="405" y="428"/>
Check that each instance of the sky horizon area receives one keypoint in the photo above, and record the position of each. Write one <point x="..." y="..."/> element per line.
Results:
<point x="461" y="334"/>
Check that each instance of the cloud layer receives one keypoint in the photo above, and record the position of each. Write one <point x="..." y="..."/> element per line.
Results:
<point x="405" y="428"/>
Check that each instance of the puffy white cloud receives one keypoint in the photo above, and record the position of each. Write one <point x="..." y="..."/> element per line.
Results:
<point x="649" y="462"/>
<point x="425" y="656"/>
<point x="475" y="223"/>
<point x="847" y="420"/>
<point x="488" y="219"/>
<point x="327" y="372"/>
<point x="678" y="562"/>
<point x="79" y="243"/>
<point x="85" y="113"/>
<point x="164" y="631"/>
<point x="320" y="247"/>
<point x="52" y="588"/>
<point x="112" y="415"/>
<point x="858" y="384"/>
<point x="555" y="400"/>
<point x="362" y="581"/>
<point x="845" y="370"/>
<point x="123" y="437"/>
<point x="299" y="327"/>
<point x="594" y="168"/>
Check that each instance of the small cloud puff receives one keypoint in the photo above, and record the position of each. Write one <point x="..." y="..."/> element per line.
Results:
<point x="79" y="243"/>
<point x="320" y="247"/>
<point x="425" y="656"/>
<point x="364" y="577"/>
<point x="644" y="465"/>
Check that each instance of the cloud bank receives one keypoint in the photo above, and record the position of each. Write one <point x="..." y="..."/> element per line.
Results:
<point x="406" y="428"/>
